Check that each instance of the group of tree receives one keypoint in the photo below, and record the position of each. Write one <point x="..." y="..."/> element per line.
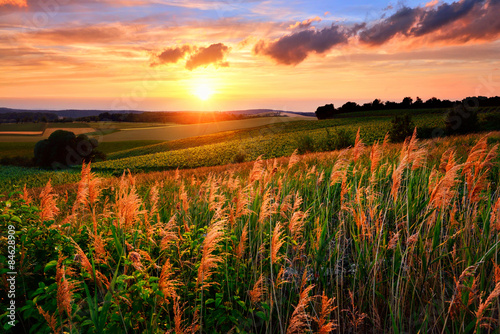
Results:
<point x="64" y="148"/>
<point x="329" y="111"/>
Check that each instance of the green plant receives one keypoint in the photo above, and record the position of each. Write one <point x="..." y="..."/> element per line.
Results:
<point x="401" y="128"/>
<point x="305" y="144"/>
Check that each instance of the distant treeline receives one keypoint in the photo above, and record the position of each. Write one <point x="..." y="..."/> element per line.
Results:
<point x="181" y="117"/>
<point x="329" y="111"/>
<point x="27" y="117"/>
<point x="185" y="117"/>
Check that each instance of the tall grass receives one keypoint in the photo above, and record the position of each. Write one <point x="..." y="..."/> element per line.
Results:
<point x="389" y="238"/>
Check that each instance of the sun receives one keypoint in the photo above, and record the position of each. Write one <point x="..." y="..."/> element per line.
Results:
<point x="203" y="91"/>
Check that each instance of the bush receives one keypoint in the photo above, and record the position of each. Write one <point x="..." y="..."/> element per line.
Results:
<point x="64" y="149"/>
<point x="401" y="128"/>
<point x="305" y="144"/>
<point x="337" y="140"/>
<point x="459" y="120"/>
<point x="240" y="157"/>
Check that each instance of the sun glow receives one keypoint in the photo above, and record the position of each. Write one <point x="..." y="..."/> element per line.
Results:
<point x="203" y="91"/>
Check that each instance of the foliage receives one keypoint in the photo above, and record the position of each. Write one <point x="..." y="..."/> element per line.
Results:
<point x="305" y="144"/>
<point x="461" y="120"/>
<point x="401" y="128"/>
<point x="63" y="148"/>
<point x="388" y="238"/>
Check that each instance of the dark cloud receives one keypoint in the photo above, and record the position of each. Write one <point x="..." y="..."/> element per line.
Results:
<point x="481" y="23"/>
<point x="459" y="21"/>
<point x="294" y="48"/>
<point x="204" y="56"/>
<point x="171" y="55"/>
<point x="399" y="22"/>
<point x="442" y="15"/>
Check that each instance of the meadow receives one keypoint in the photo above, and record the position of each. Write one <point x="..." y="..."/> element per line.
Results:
<point x="387" y="238"/>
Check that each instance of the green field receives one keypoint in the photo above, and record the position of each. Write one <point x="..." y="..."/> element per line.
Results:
<point x="22" y="126"/>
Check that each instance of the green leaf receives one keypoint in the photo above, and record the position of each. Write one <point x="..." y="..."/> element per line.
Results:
<point x="50" y="265"/>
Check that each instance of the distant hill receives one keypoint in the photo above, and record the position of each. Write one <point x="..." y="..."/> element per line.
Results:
<point x="76" y="113"/>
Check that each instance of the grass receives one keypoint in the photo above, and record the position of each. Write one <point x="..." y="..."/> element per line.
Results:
<point x="22" y="126"/>
<point x="391" y="238"/>
<point x="112" y="147"/>
<point x="69" y="125"/>
<point x="21" y="149"/>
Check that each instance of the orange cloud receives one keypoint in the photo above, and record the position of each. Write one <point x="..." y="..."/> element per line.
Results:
<point x="213" y="54"/>
<point x="431" y="3"/>
<point x="304" y="24"/>
<point x="18" y="3"/>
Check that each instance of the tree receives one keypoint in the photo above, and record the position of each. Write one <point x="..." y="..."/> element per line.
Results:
<point x="377" y="104"/>
<point x="325" y="112"/>
<point x="63" y="149"/>
<point x="406" y="103"/>
<point x="350" y="107"/>
<point x="401" y="127"/>
<point x="461" y="120"/>
<point x="418" y="103"/>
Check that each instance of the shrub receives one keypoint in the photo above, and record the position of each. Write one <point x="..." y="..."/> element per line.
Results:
<point x="337" y="140"/>
<point x="401" y="128"/>
<point x="240" y="157"/>
<point x="63" y="148"/>
<point x="305" y="144"/>
<point x="459" y="120"/>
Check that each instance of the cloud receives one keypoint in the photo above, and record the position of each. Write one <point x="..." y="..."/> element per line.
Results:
<point x="433" y="19"/>
<point x="455" y="22"/>
<point x="294" y="48"/>
<point x="84" y="34"/>
<point x="18" y="3"/>
<point x="398" y="23"/>
<point x="204" y="56"/>
<point x="171" y="55"/>
<point x="304" y="24"/>
<point x="213" y="54"/>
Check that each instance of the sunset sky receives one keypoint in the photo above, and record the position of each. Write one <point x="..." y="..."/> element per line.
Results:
<point x="226" y="55"/>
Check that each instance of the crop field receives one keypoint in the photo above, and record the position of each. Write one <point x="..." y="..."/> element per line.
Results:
<point x="22" y="127"/>
<point x="387" y="238"/>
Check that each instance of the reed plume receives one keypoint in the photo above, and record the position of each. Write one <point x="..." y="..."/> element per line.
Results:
<point x="48" y="205"/>
<point x="375" y="156"/>
<point x="443" y="192"/>
<point x="258" y="290"/>
<point x="168" y="234"/>
<point x="64" y="288"/>
<point x="456" y="301"/>
<point x="26" y="196"/>
<point x="339" y="168"/>
<point x="300" y="319"/>
<point x="166" y="283"/>
<point x="359" y="147"/>
<point x="209" y="260"/>
<point x="294" y="159"/>
<point x="495" y="215"/>
<point x="484" y="306"/>
<point x="50" y="318"/>
<point x="276" y="243"/>
<point x="397" y="176"/>
<point x="240" y="249"/>
<point x="257" y="170"/>
<point x="325" y="326"/>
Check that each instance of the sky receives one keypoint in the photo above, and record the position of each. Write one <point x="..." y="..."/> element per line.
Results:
<point x="243" y="54"/>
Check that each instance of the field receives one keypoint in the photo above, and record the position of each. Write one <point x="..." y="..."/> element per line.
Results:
<point x="388" y="238"/>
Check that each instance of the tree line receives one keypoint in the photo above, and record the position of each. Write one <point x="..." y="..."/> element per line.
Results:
<point x="329" y="111"/>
